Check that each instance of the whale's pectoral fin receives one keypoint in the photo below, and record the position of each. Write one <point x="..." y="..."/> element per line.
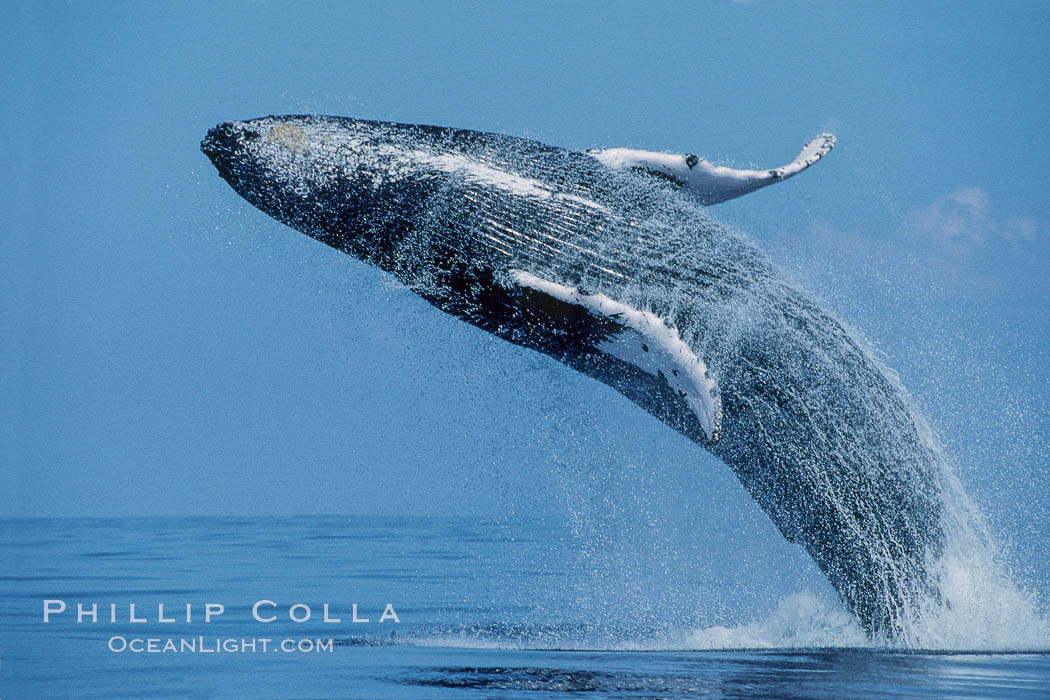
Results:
<point x="648" y="343"/>
<point x="704" y="181"/>
<point x="812" y="152"/>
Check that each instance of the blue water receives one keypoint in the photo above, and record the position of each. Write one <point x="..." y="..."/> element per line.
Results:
<point x="487" y="608"/>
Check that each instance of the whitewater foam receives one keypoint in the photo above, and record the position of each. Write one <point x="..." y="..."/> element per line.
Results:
<point x="801" y="620"/>
<point x="977" y="604"/>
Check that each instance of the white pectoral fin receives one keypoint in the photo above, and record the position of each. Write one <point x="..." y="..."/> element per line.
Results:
<point x="649" y="343"/>
<point x="811" y="153"/>
<point x="705" y="182"/>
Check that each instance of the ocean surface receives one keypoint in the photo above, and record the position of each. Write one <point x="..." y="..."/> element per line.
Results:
<point x="484" y="608"/>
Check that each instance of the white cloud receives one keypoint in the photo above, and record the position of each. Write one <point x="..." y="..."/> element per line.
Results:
<point x="962" y="221"/>
<point x="1019" y="228"/>
<point x="957" y="245"/>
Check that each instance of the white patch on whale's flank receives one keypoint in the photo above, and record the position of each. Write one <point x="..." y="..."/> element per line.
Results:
<point x="650" y="344"/>
<point x="482" y="174"/>
<point x="706" y="182"/>
<point x="509" y="182"/>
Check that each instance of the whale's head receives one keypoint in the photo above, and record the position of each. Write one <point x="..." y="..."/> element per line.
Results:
<point x="348" y="182"/>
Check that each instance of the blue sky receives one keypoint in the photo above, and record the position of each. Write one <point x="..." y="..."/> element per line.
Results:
<point x="168" y="349"/>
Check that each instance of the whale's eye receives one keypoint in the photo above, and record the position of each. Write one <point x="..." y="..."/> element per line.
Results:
<point x="692" y="160"/>
<point x="250" y="134"/>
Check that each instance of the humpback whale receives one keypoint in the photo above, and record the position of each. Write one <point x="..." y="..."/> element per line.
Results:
<point x="588" y="258"/>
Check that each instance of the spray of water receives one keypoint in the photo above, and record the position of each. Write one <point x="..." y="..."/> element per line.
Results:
<point x="974" y="603"/>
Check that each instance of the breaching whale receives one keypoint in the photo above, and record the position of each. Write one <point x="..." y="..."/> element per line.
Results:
<point x="603" y="261"/>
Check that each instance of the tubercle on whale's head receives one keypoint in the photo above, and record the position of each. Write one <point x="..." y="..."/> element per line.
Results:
<point x="230" y="145"/>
